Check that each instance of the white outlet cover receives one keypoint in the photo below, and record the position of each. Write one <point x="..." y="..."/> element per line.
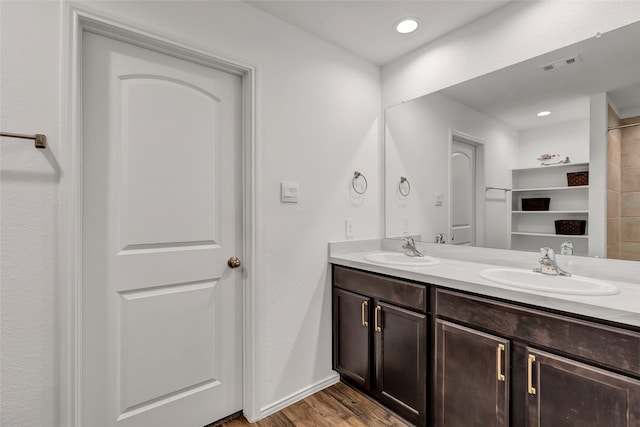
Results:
<point x="405" y="225"/>
<point x="348" y="228"/>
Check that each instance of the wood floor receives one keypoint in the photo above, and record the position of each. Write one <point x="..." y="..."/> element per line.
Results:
<point x="338" y="405"/>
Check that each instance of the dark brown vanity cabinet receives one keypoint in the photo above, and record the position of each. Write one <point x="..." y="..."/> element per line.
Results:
<point x="472" y="379"/>
<point x="401" y="360"/>
<point x="380" y="339"/>
<point x="563" y="392"/>
<point x="502" y="364"/>
<point x="352" y="336"/>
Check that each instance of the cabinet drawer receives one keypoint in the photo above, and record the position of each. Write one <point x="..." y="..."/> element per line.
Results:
<point x="608" y="346"/>
<point x="399" y="292"/>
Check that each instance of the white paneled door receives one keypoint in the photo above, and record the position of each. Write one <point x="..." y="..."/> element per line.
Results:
<point x="463" y="197"/>
<point x="162" y="215"/>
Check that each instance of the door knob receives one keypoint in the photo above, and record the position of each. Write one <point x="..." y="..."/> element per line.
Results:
<point x="234" y="262"/>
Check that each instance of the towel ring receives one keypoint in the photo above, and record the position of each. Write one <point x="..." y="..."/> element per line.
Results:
<point x="402" y="181"/>
<point x="357" y="175"/>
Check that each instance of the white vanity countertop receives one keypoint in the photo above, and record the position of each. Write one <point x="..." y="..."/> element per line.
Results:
<point x="455" y="273"/>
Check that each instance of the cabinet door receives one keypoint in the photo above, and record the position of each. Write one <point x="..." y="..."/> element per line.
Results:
<point x="352" y="337"/>
<point x="472" y="377"/>
<point x="401" y="361"/>
<point x="562" y="392"/>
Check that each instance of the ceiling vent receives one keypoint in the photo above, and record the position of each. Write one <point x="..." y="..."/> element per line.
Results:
<point x="561" y="63"/>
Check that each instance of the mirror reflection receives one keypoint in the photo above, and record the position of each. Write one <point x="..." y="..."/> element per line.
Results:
<point x="542" y="153"/>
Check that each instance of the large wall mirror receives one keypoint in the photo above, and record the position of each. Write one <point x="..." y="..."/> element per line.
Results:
<point x="459" y="162"/>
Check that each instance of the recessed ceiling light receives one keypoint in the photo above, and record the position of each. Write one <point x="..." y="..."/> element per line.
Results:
<point x="406" y="25"/>
<point x="544" y="113"/>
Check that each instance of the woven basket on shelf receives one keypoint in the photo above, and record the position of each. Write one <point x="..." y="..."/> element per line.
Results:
<point x="577" y="178"/>
<point x="571" y="226"/>
<point x="536" y="204"/>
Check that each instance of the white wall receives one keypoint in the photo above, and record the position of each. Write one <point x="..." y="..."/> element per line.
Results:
<point x="519" y="31"/>
<point x="569" y="138"/>
<point x="417" y="147"/>
<point x="598" y="146"/>
<point x="318" y="121"/>
<point x="29" y="103"/>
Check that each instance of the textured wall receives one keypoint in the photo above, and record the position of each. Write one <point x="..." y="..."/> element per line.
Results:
<point x="572" y="136"/>
<point x="29" y="103"/>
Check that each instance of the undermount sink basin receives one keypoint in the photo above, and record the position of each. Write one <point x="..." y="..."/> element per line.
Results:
<point x="527" y="279"/>
<point x="401" y="260"/>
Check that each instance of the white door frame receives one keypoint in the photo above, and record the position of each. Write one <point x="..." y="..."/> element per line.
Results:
<point x="480" y="182"/>
<point x="77" y="20"/>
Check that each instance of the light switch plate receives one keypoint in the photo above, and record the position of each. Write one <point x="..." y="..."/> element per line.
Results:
<point x="289" y="192"/>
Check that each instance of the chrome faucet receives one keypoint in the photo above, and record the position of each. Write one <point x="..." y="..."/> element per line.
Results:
<point x="566" y="248"/>
<point x="439" y="238"/>
<point x="548" y="264"/>
<point x="410" y="247"/>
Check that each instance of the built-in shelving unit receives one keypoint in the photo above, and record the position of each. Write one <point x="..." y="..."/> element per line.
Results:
<point x="549" y="212"/>
<point x="519" y="233"/>
<point x="532" y="229"/>
<point x="581" y="187"/>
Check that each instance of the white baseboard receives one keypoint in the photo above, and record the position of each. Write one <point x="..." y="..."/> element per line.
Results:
<point x="297" y="396"/>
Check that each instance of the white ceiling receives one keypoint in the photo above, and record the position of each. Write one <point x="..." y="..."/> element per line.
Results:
<point x="515" y="94"/>
<point x="366" y="27"/>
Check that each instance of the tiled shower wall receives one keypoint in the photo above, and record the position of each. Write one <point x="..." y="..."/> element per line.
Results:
<point x="623" y="189"/>
<point x="630" y="190"/>
<point x="613" y="186"/>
